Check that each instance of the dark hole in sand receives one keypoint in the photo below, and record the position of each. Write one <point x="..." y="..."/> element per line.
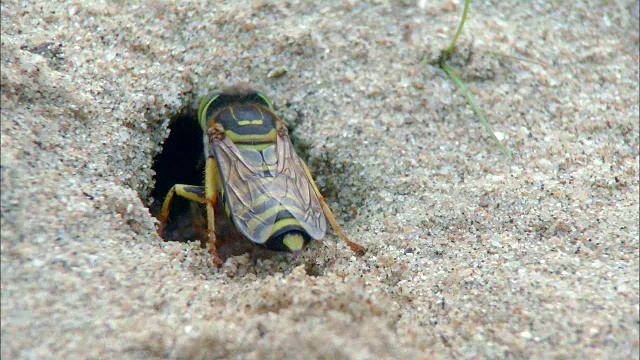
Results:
<point x="182" y="161"/>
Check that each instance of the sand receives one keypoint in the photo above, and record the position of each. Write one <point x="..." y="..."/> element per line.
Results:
<point x="471" y="254"/>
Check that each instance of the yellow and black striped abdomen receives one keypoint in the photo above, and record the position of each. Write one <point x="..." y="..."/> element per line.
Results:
<point x="264" y="209"/>
<point x="263" y="203"/>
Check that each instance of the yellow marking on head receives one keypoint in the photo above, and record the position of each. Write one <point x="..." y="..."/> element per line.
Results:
<point x="270" y="136"/>
<point x="249" y="122"/>
<point x="293" y="242"/>
<point x="233" y="115"/>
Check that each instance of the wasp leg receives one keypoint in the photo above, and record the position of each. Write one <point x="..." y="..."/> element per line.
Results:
<point x="190" y="192"/>
<point x="201" y="194"/>
<point x="211" y="177"/>
<point x="358" y="249"/>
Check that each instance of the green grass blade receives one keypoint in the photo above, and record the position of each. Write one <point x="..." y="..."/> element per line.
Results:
<point x="495" y="53"/>
<point x="449" y="50"/>
<point x="475" y="107"/>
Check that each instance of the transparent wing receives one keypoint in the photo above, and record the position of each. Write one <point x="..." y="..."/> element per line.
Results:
<point x="267" y="189"/>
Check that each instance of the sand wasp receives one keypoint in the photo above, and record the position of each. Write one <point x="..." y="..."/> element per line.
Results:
<point x="251" y="165"/>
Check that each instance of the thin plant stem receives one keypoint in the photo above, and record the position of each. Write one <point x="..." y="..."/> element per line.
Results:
<point x="495" y="53"/>
<point x="449" y="50"/>
<point x="475" y="107"/>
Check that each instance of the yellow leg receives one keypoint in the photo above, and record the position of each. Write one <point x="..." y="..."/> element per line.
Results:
<point x="190" y="192"/>
<point x="358" y="249"/>
<point x="211" y="176"/>
<point x="201" y="194"/>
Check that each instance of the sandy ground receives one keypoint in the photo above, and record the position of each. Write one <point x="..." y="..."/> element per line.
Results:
<point x="470" y="254"/>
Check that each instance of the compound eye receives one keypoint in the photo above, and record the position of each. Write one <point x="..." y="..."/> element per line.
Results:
<point x="205" y="107"/>
<point x="264" y="99"/>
